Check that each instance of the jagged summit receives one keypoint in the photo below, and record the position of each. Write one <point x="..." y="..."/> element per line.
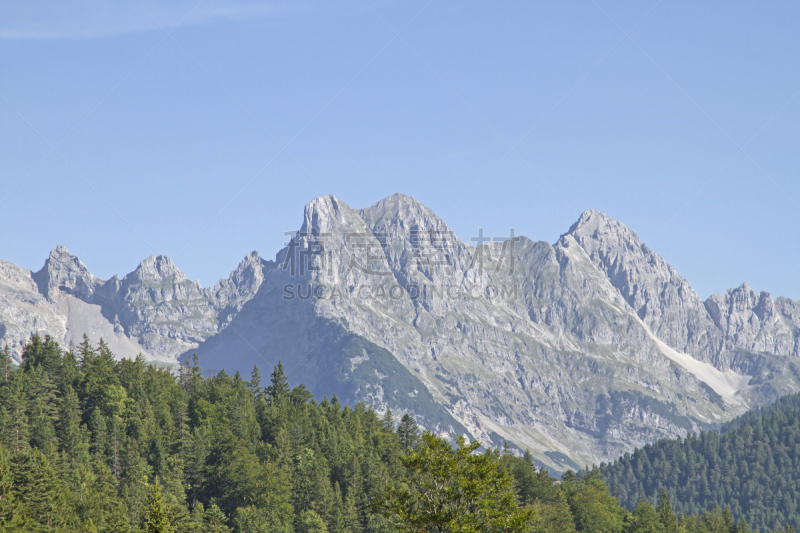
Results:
<point x="157" y="267"/>
<point x="245" y="280"/>
<point x="400" y="214"/>
<point x="398" y="206"/>
<point x="326" y="213"/>
<point x="590" y="216"/>
<point x="63" y="272"/>
<point x="598" y="227"/>
<point x="664" y="300"/>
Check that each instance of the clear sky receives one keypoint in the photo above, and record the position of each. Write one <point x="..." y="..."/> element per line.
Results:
<point x="199" y="130"/>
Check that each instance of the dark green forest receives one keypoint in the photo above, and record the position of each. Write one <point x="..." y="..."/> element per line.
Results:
<point x="92" y="444"/>
<point x="751" y="465"/>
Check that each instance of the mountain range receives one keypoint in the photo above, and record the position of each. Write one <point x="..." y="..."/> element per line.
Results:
<point x="579" y="350"/>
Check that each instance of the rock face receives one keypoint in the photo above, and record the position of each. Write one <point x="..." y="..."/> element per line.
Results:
<point x="578" y="350"/>
<point x="756" y="322"/>
<point x="64" y="273"/>
<point x="664" y="300"/>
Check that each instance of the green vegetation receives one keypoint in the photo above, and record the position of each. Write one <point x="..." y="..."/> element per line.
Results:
<point x="448" y="489"/>
<point x="752" y="465"/>
<point x="91" y="444"/>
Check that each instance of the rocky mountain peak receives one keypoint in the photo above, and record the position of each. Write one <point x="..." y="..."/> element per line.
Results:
<point x="600" y="234"/>
<point x="664" y="300"/>
<point x="635" y="270"/>
<point x="249" y="275"/>
<point x="416" y="240"/>
<point x="59" y="250"/>
<point x="590" y="217"/>
<point x="328" y="213"/>
<point x="753" y="321"/>
<point x="333" y="246"/>
<point x="157" y="267"/>
<point x="63" y="272"/>
<point x="401" y="211"/>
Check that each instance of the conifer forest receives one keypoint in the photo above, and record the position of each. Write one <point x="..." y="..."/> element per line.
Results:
<point x="95" y="444"/>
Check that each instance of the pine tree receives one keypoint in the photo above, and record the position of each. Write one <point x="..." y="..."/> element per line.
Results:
<point x="408" y="432"/>
<point x="255" y="382"/>
<point x="10" y="513"/>
<point x="43" y="433"/>
<point x="279" y="384"/>
<point x="665" y="514"/>
<point x="72" y="435"/>
<point x="6" y="363"/>
<point x="158" y="519"/>
<point x="214" y="520"/>
<point x="311" y="522"/>
<point x="16" y="430"/>
<point x="37" y="486"/>
<point x="644" y="519"/>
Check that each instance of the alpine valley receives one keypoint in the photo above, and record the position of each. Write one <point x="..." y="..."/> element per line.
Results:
<point x="577" y="351"/>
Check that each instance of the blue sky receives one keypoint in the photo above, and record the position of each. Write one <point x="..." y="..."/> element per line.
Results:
<point x="199" y="130"/>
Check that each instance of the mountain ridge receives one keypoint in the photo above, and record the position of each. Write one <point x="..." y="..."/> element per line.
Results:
<point x="584" y="348"/>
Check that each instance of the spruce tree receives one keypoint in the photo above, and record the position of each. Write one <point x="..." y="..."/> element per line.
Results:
<point x="336" y="521"/>
<point x="44" y="354"/>
<point x="85" y="350"/>
<point x="665" y="514"/>
<point x="644" y="519"/>
<point x="43" y="433"/>
<point x="727" y="517"/>
<point x="6" y="363"/>
<point x="16" y="430"/>
<point x="350" y="519"/>
<point x="279" y="384"/>
<point x="100" y="440"/>
<point x="40" y="490"/>
<point x="408" y="432"/>
<point x="310" y="522"/>
<point x="11" y="516"/>
<point x="214" y="520"/>
<point x="158" y="518"/>
<point x="388" y="420"/>
<point x="255" y="382"/>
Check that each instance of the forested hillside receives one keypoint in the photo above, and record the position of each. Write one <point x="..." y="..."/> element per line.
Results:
<point x="97" y="445"/>
<point x="752" y="465"/>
